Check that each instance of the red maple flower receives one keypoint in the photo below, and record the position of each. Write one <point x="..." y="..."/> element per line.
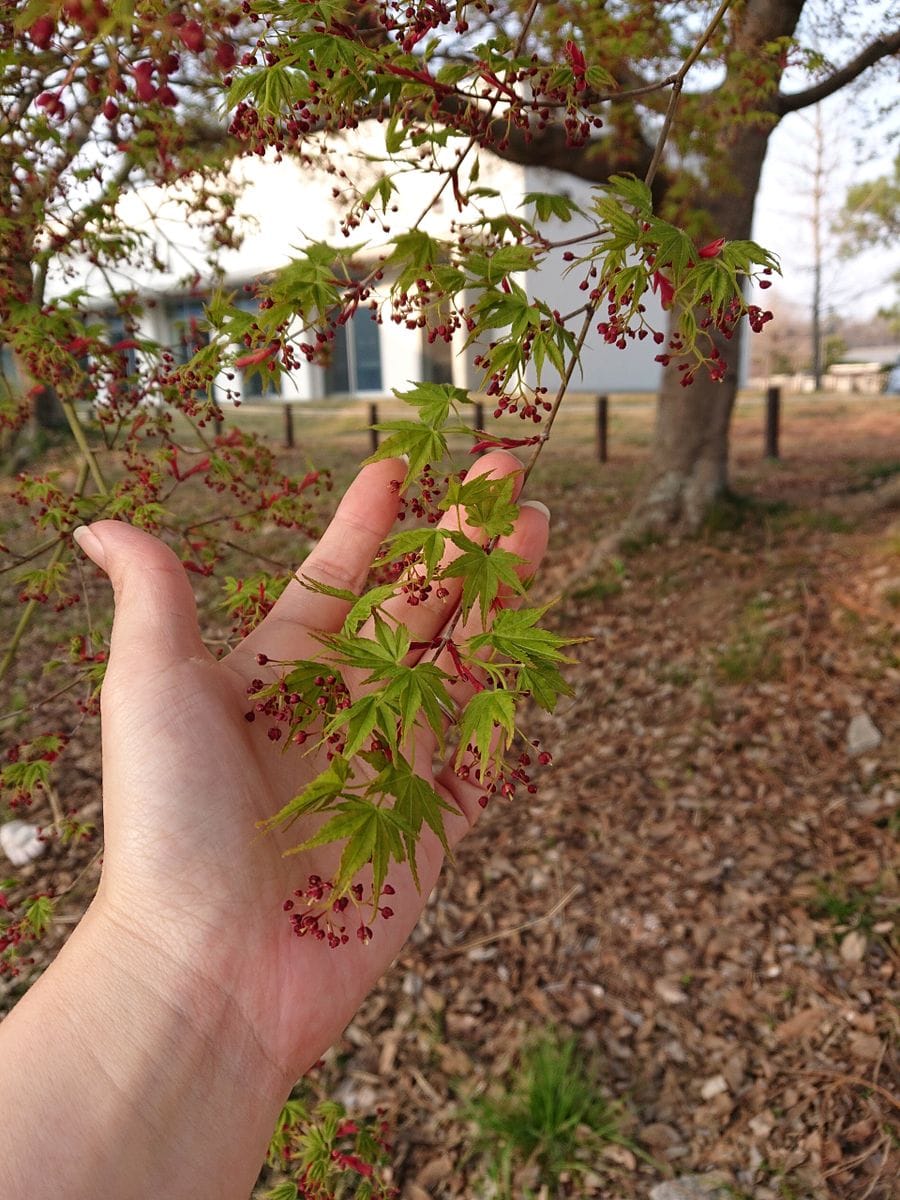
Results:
<point x="663" y="285"/>
<point x="711" y="249"/>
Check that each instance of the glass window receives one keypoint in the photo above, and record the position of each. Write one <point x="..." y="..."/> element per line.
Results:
<point x="9" y="374"/>
<point x="355" y="356"/>
<point x="185" y="318"/>
<point x="257" y="384"/>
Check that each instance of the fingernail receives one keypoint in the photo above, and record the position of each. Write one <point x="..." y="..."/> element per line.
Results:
<point x="88" y="541"/>
<point x="538" y="505"/>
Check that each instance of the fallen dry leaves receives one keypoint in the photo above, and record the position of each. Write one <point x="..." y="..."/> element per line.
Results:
<point x="705" y="888"/>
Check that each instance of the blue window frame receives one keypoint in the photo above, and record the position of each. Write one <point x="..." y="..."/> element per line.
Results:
<point x="355" y="356"/>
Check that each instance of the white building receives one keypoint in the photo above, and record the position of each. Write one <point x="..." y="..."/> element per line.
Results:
<point x="286" y="206"/>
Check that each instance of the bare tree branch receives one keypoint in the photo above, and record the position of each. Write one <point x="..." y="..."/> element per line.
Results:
<point x="882" y="47"/>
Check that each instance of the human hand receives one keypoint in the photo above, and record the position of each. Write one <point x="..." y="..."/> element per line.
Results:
<point x="188" y="881"/>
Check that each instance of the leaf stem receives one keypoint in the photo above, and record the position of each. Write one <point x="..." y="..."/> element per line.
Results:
<point x="30" y="608"/>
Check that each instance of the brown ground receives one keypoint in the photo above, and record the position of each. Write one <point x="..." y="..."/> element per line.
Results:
<point x="705" y="888"/>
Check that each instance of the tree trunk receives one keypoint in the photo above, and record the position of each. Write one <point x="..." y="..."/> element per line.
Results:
<point x="688" y="468"/>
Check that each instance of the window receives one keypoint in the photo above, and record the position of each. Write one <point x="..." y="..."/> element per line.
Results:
<point x="355" y="356"/>
<point x="437" y="360"/>
<point x="257" y="384"/>
<point x="117" y="332"/>
<point x="9" y="373"/>
<point x="185" y="318"/>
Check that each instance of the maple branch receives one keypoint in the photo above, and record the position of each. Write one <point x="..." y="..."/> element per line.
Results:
<point x="882" y="47"/>
<point x="31" y="607"/>
<point x="677" y="84"/>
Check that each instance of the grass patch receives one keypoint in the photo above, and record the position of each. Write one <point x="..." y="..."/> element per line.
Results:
<point x="552" y="1116"/>
<point x="848" y="907"/>
<point x="816" y="520"/>
<point x="639" y="542"/>
<point x="752" y="655"/>
<point x="734" y="511"/>
<point x="871" y="475"/>
<point x="609" y="583"/>
<point x="678" y="675"/>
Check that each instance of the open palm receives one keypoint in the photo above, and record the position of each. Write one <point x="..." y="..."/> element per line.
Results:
<point x="187" y="778"/>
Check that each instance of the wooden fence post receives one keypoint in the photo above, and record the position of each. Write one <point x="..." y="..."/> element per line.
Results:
<point x="373" y="420"/>
<point x="289" y="426"/>
<point x="603" y="428"/>
<point x="773" y="421"/>
<point x="478" y="407"/>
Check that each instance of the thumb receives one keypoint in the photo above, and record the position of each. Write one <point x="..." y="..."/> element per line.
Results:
<point x="156" y="617"/>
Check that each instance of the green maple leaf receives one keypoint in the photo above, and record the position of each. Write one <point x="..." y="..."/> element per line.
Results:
<point x="483" y="573"/>
<point x="317" y="796"/>
<point x="535" y="653"/>
<point x="434" y="401"/>
<point x="420" y="443"/>
<point x="379" y="655"/>
<point x="423" y="441"/>
<point x="419" y="691"/>
<point x="428" y="543"/>
<point x="361" y="607"/>
<point x="488" y="502"/>
<point x="366" y="605"/>
<point x="39" y="913"/>
<point x="544" y="684"/>
<point x="372" y="834"/>
<point x="515" y="633"/>
<point x="360" y="720"/>
<point x="416" y="802"/>
<point x="488" y="724"/>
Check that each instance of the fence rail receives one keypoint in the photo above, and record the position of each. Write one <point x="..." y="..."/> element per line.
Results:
<point x="601" y="406"/>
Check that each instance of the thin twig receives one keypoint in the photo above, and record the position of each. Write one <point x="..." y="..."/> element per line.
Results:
<point x="677" y="84"/>
<point x="858" y="1080"/>
<point x="31" y="606"/>
<point x="500" y="934"/>
<point x="86" y="452"/>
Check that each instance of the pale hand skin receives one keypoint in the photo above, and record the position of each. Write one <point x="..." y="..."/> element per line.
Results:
<point x="152" y="1058"/>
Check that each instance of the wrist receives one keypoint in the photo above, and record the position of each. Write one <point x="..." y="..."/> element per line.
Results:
<point x="169" y="1089"/>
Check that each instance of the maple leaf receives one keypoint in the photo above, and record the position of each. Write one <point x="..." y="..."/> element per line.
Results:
<point x="488" y="725"/>
<point x="483" y="573"/>
<point x="487" y="501"/>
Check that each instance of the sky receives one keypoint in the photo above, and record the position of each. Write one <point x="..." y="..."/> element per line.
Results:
<point x="859" y="142"/>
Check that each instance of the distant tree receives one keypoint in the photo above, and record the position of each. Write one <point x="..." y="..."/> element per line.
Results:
<point x="834" y="348"/>
<point x="870" y="217"/>
<point x="97" y="99"/>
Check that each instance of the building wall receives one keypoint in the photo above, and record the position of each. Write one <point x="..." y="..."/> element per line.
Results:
<point x="604" y="368"/>
<point x="286" y="206"/>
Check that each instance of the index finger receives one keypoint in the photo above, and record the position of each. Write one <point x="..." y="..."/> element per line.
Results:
<point x="341" y="559"/>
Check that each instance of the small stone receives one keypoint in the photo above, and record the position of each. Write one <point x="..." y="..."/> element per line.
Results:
<point x="669" y="992"/>
<point x="853" y="946"/>
<point x="862" y="735"/>
<point x="20" y="842"/>
<point x="762" y="1124"/>
<point x="620" y="1155"/>
<point x="693" y="1187"/>
<point x="714" y="1086"/>
<point x="659" y="1136"/>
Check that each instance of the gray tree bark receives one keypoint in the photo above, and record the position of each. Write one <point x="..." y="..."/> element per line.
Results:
<point x="688" y="469"/>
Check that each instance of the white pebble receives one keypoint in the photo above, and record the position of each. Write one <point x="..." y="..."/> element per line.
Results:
<point x="20" y="843"/>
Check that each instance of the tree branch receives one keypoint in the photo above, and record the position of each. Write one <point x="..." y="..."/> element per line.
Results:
<point x="882" y="47"/>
